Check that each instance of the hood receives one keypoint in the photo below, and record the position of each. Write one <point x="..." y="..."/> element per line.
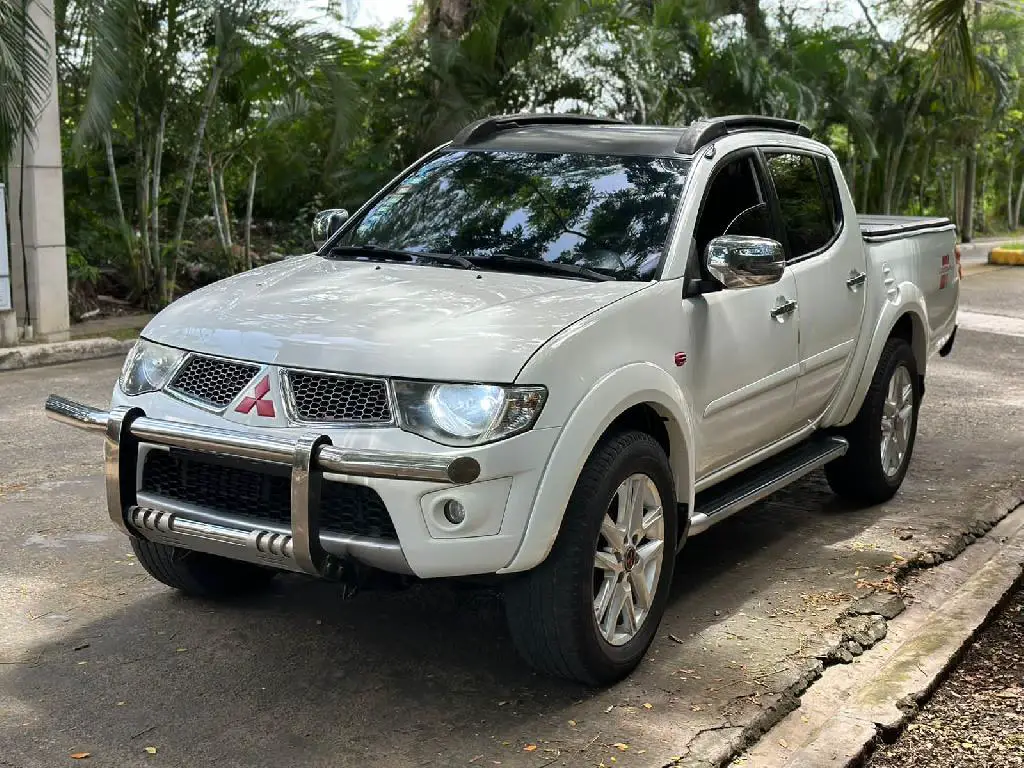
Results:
<point x="399" y="320"/>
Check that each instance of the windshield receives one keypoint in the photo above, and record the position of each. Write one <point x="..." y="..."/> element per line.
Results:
<point x="608" y="214"/>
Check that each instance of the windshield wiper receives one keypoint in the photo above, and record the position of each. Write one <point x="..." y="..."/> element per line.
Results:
<point x="544" y="266"/>
<point x="380" y="252"/>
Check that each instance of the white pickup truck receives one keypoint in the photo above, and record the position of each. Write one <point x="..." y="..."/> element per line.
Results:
<point x="553" y="349"/>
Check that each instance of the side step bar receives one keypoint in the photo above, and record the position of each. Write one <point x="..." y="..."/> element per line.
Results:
<point x="750" y="486"/>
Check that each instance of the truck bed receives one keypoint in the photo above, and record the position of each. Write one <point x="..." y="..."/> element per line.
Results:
<point x="874" y="227"/>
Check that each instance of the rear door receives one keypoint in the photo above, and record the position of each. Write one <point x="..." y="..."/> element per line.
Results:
<point x="827" y="259"/>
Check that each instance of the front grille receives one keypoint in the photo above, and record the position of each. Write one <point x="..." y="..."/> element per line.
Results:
<point x="212" y="380"/>
<point x="323" y="397"/>
<point x="262" y="493"/>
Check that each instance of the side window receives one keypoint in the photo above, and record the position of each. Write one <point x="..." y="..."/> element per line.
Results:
<point x="828" y="181"/>
<point x="806" y="215"/>
<point x="734" y="205"/>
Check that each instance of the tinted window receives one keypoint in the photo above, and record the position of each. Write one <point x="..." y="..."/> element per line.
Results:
<point x="805" y="213"/>
<point x="610" y="214"/>
<point x="733" y="205"/>
<point x="831" y="197"/>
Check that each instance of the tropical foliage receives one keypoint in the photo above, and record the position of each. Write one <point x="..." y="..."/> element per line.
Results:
<point x="201" y="135"/>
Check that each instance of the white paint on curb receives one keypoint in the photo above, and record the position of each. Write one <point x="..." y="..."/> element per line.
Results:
<point x="1003" y="325"/>
<point x="32" y="355"/>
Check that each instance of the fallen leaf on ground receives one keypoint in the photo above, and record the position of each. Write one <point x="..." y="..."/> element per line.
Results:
<point x="783" y="743"/>
<point x="620" y="746"/>
<point x="151" y="750"/>
<point x="79" y="755"/>
<point x="572" y="723"/>
<point x="180" y="650"/>
<point x="648" y="706"/>
<point x="530" y="748"/>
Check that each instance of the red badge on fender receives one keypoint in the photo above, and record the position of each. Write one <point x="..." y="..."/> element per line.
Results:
<point x="264" y="407"/>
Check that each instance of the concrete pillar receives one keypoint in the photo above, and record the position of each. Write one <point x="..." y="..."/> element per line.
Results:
<point x="35" y="212"/>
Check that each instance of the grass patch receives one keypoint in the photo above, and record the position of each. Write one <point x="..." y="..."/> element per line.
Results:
<point x="1014" y="246"/>
<point x="121" y="334"/>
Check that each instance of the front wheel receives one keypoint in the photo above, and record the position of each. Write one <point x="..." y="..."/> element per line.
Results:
<point x="591" y="609"/>
<point x="882" y="436"/>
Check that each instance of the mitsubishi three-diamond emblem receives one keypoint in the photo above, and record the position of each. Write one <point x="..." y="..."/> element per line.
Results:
<point x="264" y="405"/>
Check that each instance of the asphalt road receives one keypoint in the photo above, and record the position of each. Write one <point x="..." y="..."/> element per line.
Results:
<point x="96" y="657"/>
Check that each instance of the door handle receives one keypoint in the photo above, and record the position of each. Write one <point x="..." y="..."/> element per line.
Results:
<point x="856" y="278"/>
<point x="784" y="307"/>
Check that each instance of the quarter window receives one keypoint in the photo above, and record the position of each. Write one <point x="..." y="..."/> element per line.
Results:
<point x="807" y="215"/>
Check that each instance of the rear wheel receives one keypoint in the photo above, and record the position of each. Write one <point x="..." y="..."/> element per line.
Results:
<point x="591" y="609"/>
<point x="200" y="574"/>
<point x="882" y="436"/>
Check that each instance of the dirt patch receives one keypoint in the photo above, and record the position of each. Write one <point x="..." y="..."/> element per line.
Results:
<point x="976" y="717"/>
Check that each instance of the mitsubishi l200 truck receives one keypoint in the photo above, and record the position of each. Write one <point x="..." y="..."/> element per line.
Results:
<point x="554" y="349"/>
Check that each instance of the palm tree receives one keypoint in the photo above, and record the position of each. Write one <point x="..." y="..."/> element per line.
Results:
<point x="24" y="74"/>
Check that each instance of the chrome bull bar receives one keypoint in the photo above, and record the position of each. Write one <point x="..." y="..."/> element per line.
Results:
<point x="298" y="549"/>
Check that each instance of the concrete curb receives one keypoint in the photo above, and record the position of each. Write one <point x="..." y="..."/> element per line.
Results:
<point x="843" y="714"/>
<point x="32" y="355"/>
<point x="1006" y="257"/>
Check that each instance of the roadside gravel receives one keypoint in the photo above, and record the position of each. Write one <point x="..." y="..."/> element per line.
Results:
<point x="976" y="717"/>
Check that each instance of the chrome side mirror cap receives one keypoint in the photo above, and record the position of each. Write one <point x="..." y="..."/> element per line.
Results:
<point x="326" y="223"/>
<point x="738" y="261"/>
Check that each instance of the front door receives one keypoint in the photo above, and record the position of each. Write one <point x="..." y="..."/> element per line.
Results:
<point x="744" y="362"/>
<point x="827" y="258"/>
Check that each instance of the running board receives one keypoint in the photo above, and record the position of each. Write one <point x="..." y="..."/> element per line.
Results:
<point x="750" y="486"/>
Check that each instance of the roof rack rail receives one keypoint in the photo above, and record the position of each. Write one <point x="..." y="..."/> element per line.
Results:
<point x="702" y="132"/>
<point x="481" y="129"/>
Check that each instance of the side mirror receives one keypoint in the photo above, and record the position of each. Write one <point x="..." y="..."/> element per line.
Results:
<point x="326" y="223"/>
<point x="737" y="261"/>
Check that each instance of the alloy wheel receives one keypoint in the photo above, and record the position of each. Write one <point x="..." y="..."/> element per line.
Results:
<point x="628" y="559"/>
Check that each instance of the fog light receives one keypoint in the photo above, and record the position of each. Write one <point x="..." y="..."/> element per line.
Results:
<point x="454" y="512"/>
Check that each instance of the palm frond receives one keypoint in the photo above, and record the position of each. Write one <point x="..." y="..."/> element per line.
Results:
<point x="945" y="24"/>
<point x="24" y="74"/>
<point x="117" y="49"/>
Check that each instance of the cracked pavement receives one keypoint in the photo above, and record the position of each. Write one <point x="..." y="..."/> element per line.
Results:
<point x="97" y="657"/>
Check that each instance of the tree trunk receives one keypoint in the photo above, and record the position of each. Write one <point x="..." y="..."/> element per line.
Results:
<point x="982" y="221"/>
<point x="1010" y="221"/>
<point x="155" y="254"/>
<point x="115" y="185"/>
<point x="942" y="192"/>
<point x="248" y="215"/>
<point x="449" y="18"/>
<point x="225" y="211"/>
<point x="867" y="186"/>
<point x="1020" y="199"/>
<point x="213" y="202"/>
<point x="970" y="178"/>
<point x="141" y="211"/>
<point x="894" y="161"/>
<point x="954" y="195"/>
<point x="190" y="176"/>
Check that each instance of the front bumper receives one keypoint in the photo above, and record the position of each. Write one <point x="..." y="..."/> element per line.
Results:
<point x="300" y="547"/>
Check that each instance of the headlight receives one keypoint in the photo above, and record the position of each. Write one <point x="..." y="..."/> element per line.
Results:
<point x="467" y="414"/>
<point x="148" y="367"/>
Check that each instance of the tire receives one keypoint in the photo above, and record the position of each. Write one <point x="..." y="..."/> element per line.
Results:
<point x="200" y="574"/>
<point x="861" y="475"/>
<point x="551" y="609"/>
